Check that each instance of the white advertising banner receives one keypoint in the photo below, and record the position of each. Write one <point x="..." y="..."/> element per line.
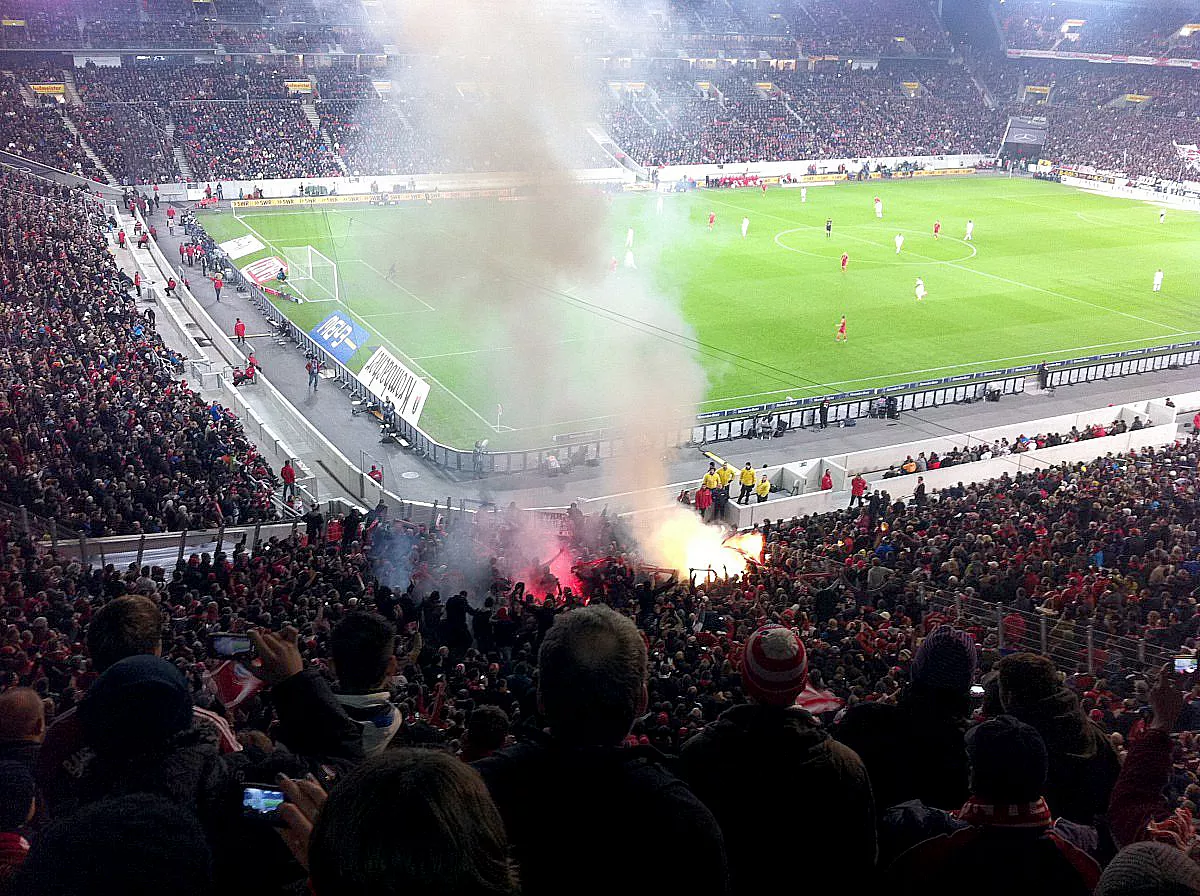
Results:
<point x="388" y="377"/>
<point x="241" y="246"/>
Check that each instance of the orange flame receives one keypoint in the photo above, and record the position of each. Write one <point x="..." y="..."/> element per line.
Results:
<point x="683" y="542"/>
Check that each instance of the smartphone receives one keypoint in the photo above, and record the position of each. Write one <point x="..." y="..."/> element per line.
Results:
<point x="263" y="801"/>
<point x="1185" y="664"/>
<point x="227" y="645"/>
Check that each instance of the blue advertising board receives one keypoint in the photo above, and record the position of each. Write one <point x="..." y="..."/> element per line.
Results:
<point x="339" y="335"/>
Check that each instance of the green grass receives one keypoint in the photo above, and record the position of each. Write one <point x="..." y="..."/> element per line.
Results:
<point x="1053" y="273"/>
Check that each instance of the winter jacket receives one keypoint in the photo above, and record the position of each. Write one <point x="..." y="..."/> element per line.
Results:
<point x="913" y="750"/>
<point x="603" y="820"/>
<point x="1083" y="762"/>
<point x="768" y="762"/>
<point x="994" y="861"/>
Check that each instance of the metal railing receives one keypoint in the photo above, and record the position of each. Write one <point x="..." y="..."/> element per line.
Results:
<point x="1075" y="646"/>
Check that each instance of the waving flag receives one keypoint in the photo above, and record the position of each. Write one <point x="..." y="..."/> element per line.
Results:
<point x="1188" y="154"/>
<point x="233" y="683"/>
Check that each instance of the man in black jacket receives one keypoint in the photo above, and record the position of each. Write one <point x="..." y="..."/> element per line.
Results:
<point x="585" y="814"/>
<point x="829" y="820"/>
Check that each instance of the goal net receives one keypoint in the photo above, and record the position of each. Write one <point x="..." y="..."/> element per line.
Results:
<point x="312" y="274"/>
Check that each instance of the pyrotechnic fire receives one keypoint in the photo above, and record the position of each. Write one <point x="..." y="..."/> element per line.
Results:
<point x="682" y="542"/>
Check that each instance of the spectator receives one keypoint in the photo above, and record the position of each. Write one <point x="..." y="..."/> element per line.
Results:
<point x="137" y="845"/>
<point x="407" y="821"/>
<point x="1009" y="828"/>
<point x="1083" y="762"/>
<point x="17" y="806"/>
<point x="832" y="819"/>
<point x="1150" y="869"/>
<point x="591" y="687"/>
<point x="487" y="732"/>
<point x="362" y="650"/>
<point x="914" y="749"/>
<point x="22" y="726"/>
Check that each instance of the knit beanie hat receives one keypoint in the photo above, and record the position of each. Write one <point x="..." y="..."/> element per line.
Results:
<point x="1150" y="869"/>
<point x="137" y="704"/>
<point x="774" y="666"/>
<point x="1008" y="761"/>
<point x="16" y="794"/>
<point x="945" y="660"/>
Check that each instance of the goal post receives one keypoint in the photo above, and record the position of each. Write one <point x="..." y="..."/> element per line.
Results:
<point x="313" y="274"/>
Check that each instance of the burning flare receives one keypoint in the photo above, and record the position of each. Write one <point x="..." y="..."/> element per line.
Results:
<point x="683" y="542"/>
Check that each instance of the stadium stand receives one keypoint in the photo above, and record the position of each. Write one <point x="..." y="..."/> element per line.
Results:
<point x="385" y="647"/>
<point x="97" y="434"/>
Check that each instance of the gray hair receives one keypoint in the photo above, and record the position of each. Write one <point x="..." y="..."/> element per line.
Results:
<point x="592" y="676"/>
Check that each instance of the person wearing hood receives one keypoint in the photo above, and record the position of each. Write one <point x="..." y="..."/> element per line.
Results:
<point x="831" y="817"/>
<point x="584" y="813"/>
<point x="914" y="749"/>
<point x="1084" y="764"/>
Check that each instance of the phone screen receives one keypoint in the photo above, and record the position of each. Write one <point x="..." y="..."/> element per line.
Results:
<point x="1185" y="665"/>
<point x="231" y="645"/>
<point x="262" y="800"/>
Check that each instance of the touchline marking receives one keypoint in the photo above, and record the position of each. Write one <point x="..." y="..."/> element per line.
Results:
<point x="367" y="324"/>
<point x="958" y="266"/>
<point x="869" y="379"/>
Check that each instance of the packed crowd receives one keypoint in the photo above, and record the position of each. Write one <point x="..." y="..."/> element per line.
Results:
<point x="1142" y="29"/>
<point x="131" y="141"/>
<point x="840" y="114"/>
<point x="38" y="133"/>
<point x="97" y="431"/>
<point x="127" y="716"/>
<point x="250" y="141"/>
<point x="172" y="83"/>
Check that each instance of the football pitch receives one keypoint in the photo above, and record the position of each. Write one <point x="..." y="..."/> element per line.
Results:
<point x="1052" y="273"/>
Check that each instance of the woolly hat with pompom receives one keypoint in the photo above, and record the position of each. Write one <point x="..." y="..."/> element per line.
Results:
<point x="774" y="666"/>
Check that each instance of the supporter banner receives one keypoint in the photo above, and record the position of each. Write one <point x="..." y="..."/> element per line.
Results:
<point x="48" y="89"/>
<point x="243" y="245"/>
<point x="500" y="193"/>
<point x="12" y="23"/>
<point x="264" y="270"/>
<point x="304" y="86"/>
<point x="1033" y="88"/>
<point x="1136" y="97"/>
<point x="339" y="335"/>
<point x="386" y="376"/>
<point x="1104" y="58"/>
<point x="383" y="88"/>
<point x="911" y="85"/>
<point x="1188" y="154"/>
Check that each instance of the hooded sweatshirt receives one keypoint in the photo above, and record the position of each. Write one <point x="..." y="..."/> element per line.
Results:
<point x="1083" y="762"/>
<point x="780" y="786"/>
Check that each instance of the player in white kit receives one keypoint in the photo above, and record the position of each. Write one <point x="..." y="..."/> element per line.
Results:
<point x="629" y="238"/>
<point x="745" y="227"/>
<point x="920" y="289"/>
<point x="1162" y="216"/>
<point x="803" y="194"/>
<point x="629" y="263"/>
<point x="1158" y="280"/>
<point x="970" y="230"/>
<point x="660" y="203"/>
<point x="899" y="242"/>
<point x="878" y="207"/>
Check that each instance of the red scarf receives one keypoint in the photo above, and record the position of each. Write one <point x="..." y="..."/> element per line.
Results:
<point x="1012" y="815"/>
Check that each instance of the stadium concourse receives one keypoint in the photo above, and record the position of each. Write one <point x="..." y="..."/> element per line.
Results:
<point x="987" y="688"/>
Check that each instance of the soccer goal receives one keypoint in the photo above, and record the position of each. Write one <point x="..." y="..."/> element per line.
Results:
<point x="312" y="274"/>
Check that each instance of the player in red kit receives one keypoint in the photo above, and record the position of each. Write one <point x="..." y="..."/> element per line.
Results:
<point x="937" y="229"/>
<point x="763" y="184"/>
<point x="841" y="331"/>
<point x="712" y="219"/>
<point x="845" y="261"/>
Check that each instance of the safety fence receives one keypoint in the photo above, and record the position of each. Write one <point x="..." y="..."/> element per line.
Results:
<point x="1075" y="646"/>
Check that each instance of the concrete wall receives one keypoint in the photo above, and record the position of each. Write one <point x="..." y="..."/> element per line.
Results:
<point x="797" y="167"/>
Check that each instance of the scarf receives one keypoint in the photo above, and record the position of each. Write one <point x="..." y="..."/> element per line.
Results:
<point x="1005" y="815"/>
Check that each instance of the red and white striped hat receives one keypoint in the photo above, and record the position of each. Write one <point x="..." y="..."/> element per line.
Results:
<point x="774" y="666"/>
